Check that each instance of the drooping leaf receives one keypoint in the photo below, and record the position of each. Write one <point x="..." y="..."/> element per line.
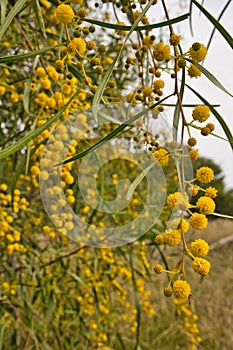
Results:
<point x="218" y="19"/>
<point x="138" y="28"/>
<point x="113" y="133"/>
<point x="216" y="24"/>
<point x="209" y="75"/>
<point x="176" y="117"/>
<point x="23" y="56"/>
<point x="13" y="12"/>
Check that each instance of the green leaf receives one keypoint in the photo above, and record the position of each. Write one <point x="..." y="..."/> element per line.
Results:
<point x="138" y="180"/>
<point x="26" y="99"/>
<point x="215" y="23"/>
<point x="176" y="117"/>
<point x="217" y="116"/>
<point x="31" y="135"/>
<point x="218" y="19"/>
<point x="3" y="10"/>
<point x="13" y="12"/>
<point x="79" y="280"/>
<point x="113" y="133"/>
<point x="106" y="77"/>
<point x="209" y="75"/>
<point x="139" y="28"/>
<point x="16" y="58"/>
<point x="39" y="17"/>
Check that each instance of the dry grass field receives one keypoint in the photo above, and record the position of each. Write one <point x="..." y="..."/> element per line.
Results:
<point x="212" y="297"/>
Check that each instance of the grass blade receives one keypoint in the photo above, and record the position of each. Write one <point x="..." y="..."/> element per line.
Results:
<point x="217" y="116"/>
<point x="138" y="28"/>
<point x="209" y="75"/>
<point x="215" y="23"/>
<point x="31" y="135"/>
<point x="13" y="12"/>
<point x="112" y="134"/>
<point x="98" y="95"/>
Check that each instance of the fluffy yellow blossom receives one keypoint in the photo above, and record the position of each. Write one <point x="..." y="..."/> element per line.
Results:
<point x="159" y="239"/>
<point x="193" y="71"/>
<point x="193" y="190"/>
<point x="161" y="52"/>
<point x="197" y="52"/>
<point x="147" y="91"/>
<point x="64" y="13"/>
<point x="2" y="90"/>
<point x="204" y="175"/>
<point x="181" y="224"/>
<point x="80" y="45"/>
<point x="174" y="39"/>
<point x="198" y="221"/>
<point x="193" y="154"/>
<point x="158" y="268"/>
<point x="205" y="204"/>
<point x="158" y="84"/>
<point x="201" y="113"/>
<point x="201" y="266"/>
<point x="181" y="289"/>
<point x="162" y="156"/>
<point x="172" y="237"/>
<point x="211" y="192"/>
<point x="199" y="248"/>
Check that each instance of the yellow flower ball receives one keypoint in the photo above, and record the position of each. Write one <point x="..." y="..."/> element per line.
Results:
<point x="80" y="45"/>
<point x="181" y="289"/>
<point x="64" y="13"/>
<point x="162" y="156"/>
<point x="204" y="175"/>
<point x="193" y="71"/>
<point x="198" y="221"/>
<point x="2" y="90"/>
<point x="201" y="113"/>
<point x="161" y="52"/>
<point x="172" y="237"/>
<point x="199" y="248"/>
<point x="198" y="52"/>
<point x="205" y="204"/>
<point x="201" y="266"/>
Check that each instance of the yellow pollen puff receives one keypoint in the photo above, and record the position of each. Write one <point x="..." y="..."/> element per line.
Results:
<point x="80" y="45"/>
<point x="181" y="224"/>
<point x="199" y="248"/>
<point x="198" y="221"/>
<point x="193" y="154"/>
<point x="2" y="90"/>
<point x="198" y="55"/>
<point x="204" y="175"/>
<point x="181" y="289"/>
<point x="64" y="13"/>
<point x="174" y="39"/>
<point x="161" y="52"/>
<point x="211" y="192"/>
<point x="162" y="156"/>
<point x="172" y="237"/>
<point x="201" y="266"/>
<point x="193" y="71"/>
<point x="159" y="84"/>
<point x="205" y="204"/>
<point x="201" y="113"/>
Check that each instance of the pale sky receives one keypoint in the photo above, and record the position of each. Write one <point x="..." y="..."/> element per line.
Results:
<point x="218" y="62"/>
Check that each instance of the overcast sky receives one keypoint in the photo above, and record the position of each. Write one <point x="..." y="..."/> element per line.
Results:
<point x="218" y="62"/>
